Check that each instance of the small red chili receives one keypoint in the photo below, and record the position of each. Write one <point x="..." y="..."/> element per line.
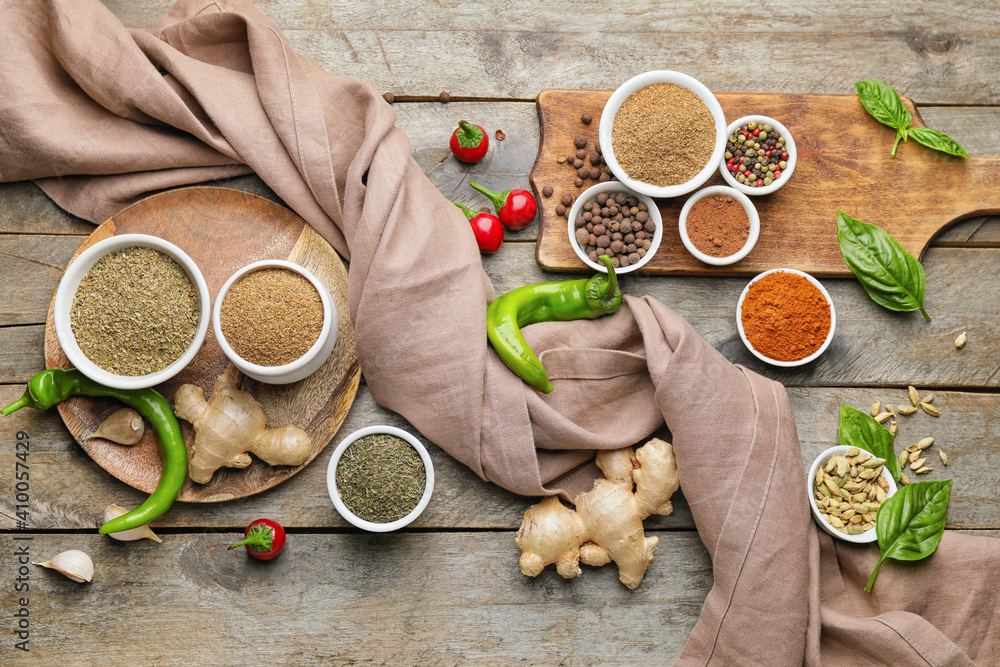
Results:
<point x="469" y="142"/>
<point x="486" y="228"/>
<point x="515" y="208"/>
<point x="263" y="539"/>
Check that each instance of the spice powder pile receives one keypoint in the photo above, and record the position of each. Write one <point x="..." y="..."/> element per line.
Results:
<point x="663" y="135"/>
<point x="135" y="312"/>
<point x="271" y="317"/>
<point x="785" y="317"/>
<point x="380" y="478"/>
<point x="718" y="225"/>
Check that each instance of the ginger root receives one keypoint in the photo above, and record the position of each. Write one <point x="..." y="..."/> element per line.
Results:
<point x="231" y="424"/>
<point x="607" y="523"/>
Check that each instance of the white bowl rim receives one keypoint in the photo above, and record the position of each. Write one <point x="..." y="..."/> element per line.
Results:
<point x="331" y="479"/>
<point x="775" y="362"/>
<point x="66" y="292"/>
<point x="609" y="186"/>
<point x="786" y="173"/>
<point x="308" y="355"/>
<point x="644" y="80"/>
<point x="866" y="537"/>
<point x="751" y="214"/>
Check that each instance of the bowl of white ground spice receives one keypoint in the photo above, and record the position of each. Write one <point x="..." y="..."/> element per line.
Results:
<point x="662" y="133"/>
<point x="275" y="321"/>
<point x="131" y="311"/>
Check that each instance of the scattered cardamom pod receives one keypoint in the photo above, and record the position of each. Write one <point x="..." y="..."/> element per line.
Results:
<point x="930" y="409"/>
<point x="876" y="408"/>
<point x="923" y="470"/>
<point x="944" y="457"/>
<point x="960" y="341"/>
<point x="919" y="463"/>
<point x="914" y="395"/>
<point x="903" y="479"/>
<point x="893" y="428"/>
<point x="906" y="410"/>
<point x="929" y="398"/>
<point x="904" y="457"/>
<point x="882" y="417"/>
<point x="914" y="455"/>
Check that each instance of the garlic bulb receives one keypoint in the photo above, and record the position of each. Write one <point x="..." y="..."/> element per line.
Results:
<point x="141" y="533"/>
<point x="74" y="564"/>
<point x="124" y="427"/>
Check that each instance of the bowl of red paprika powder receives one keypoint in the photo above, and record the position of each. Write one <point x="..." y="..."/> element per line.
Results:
<point x="786" y="317"/>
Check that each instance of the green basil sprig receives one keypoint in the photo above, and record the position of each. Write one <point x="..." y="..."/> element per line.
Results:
<point x="893" y="278"/>
<point x="911" y="522"/>
<point x="859" y="430"/>
<point x="884" y="104"/>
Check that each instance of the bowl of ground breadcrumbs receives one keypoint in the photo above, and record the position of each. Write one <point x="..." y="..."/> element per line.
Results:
<point x="275" y="321"/>
<point x="662" y="133"/>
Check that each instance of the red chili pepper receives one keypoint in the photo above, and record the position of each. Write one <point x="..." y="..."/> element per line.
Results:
<point x="486" y="227"/>
<point x="515" y="208"/>
<point x="263" y="539"/>
<point x="469" y="142"/>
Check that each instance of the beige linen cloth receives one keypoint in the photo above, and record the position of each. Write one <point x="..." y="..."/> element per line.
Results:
<point x="100" y="115"/>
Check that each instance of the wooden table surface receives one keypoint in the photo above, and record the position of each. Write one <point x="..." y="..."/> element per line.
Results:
<point x="447" y="590"/>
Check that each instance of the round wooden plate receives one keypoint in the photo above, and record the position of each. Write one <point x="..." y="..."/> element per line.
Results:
<point x="222" y="230"/>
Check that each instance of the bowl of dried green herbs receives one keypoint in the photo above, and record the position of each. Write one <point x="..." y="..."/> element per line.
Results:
<point x="131" y="311"/>
<point x="380" y="478"/>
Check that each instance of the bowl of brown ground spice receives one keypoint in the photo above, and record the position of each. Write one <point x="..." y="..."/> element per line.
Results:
<point x="131" y="311"/>
<point x="275" y="321"/>
<point x="719" y="225"/>
<point x="662" y="133"/>
<point x="786" y="317"/>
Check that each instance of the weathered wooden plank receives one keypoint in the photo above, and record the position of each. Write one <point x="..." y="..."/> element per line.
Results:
<point x="30" y="260"/>
<point x="408" y="599"/>
<point x="932" y="55"/>
<point x="69" y="491"/>
<point x="872" y="346"/>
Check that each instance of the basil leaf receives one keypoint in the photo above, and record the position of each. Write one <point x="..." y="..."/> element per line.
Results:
<point x="893" y="278"/>
<point x="884" y="104"/>
<point x="911" y="522"/>
<point x="939" y="141"/>
<point x="859" y="430"/>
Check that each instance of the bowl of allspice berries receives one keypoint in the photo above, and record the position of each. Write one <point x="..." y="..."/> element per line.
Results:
<point x="610" y="219"/>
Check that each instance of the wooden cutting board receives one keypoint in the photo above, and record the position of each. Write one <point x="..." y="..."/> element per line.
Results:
<point x="222" y="230"/>
<point x="843" y="163"/>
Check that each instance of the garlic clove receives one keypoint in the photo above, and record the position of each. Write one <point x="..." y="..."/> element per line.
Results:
<point x="124" y="427"/>
<point x="141" y="533"/>
<point x="74" y="564"/>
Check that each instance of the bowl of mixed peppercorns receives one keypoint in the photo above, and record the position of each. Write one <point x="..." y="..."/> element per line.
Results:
<point x="760" y="155"/>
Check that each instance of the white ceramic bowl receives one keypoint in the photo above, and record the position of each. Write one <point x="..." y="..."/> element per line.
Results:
<point x="786" y="173"/>
<point x="331" y="479"/>
<point x="775" y="362"/>
<point x="66" y="292"/>
<point x="647" y="79"/>
<point x="591" y="193"/>
<point x="751" y="214"/>
<point x="821" y="460"/>
<point x="305" y="365"/>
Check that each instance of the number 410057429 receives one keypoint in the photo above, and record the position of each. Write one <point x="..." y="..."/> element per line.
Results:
<point x="22" y="476"/>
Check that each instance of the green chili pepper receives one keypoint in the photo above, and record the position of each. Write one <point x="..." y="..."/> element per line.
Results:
<point x="54" y="385"/>
<point x="586" y="298"/>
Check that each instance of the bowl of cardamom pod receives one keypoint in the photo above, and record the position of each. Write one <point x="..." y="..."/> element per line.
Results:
<point x="846" y="487"/>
